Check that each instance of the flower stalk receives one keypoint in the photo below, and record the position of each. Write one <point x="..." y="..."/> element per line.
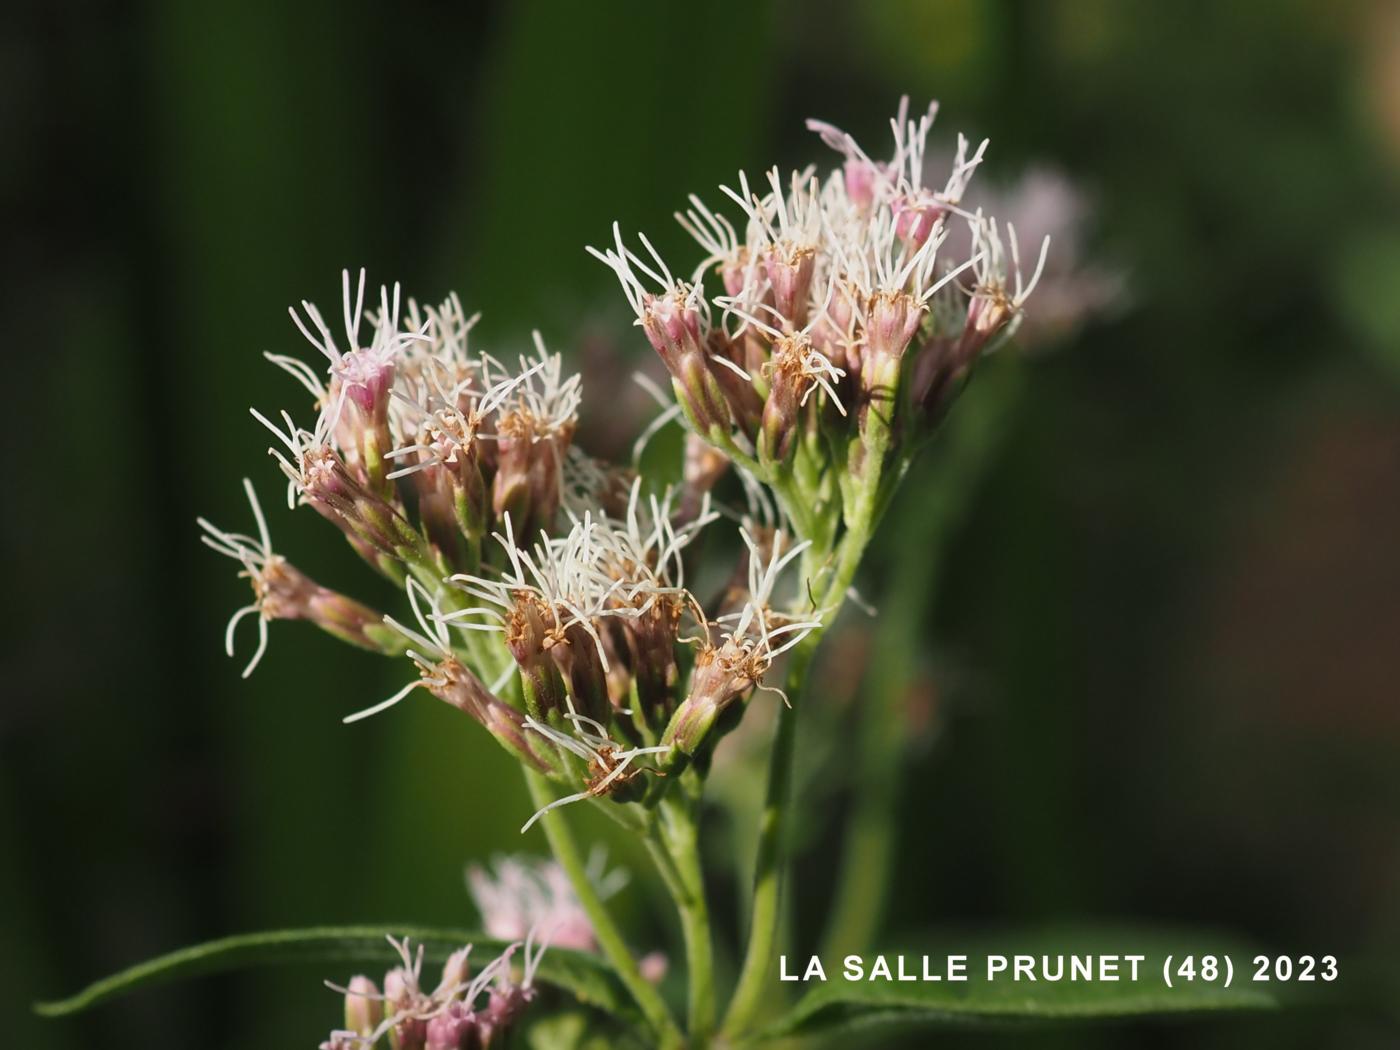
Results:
<point x="610" y="940"/>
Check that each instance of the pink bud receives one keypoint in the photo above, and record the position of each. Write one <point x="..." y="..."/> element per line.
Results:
<point x="363" y="1008"/>
<point x="454" y="972"/>
<point x="506" y="1005"/>
<point x="653" y="966"/>
<point x="789" y="270"/>
<point x="673" y="326"/>
<point x="453" y="1029"/>
<point x="860" y="182"/>
<point x="892" y="321"/>
<point x="915" y="219"/>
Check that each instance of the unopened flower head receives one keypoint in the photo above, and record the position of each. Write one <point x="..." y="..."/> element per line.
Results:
<point x="364" y="1006"/>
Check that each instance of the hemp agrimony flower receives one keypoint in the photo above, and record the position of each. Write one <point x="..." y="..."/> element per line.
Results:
<point x="517" y="894"/>
<point x="811" y="351"/>
<point x="462" y="1012"/>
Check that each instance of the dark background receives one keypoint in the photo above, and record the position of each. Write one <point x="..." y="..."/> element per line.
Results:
<point x="1161" y="662"/>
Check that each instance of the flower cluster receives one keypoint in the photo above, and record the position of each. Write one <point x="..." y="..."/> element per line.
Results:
<point x="547" y="590"/>
<point x="834" y="298"/>
<point x="462" y="1012"/>
<point x="551" y="595"/>
<point x="415" y="420"/>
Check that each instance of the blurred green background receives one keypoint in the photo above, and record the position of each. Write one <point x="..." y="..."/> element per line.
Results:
<point x="1158" y="677"/>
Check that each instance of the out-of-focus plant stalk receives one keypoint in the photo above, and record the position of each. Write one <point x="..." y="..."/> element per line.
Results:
<point x="918" y="546"/>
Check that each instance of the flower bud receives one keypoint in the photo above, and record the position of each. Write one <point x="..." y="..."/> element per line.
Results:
<point x="892" y="320"/>
<point x="861" y="178"/>
<point x="580" y="662"/>
<point x="528" y="639"/>
<point x="455" y="972"/>
<point x="507" y="1003"/>
<point x="653" y="967"/>
<point x="789" y="268"/>
<point x="364" y="1010"/>
<point x="916" y="218"/>
<point x="721" y="675"/>
<point x="366" y="519"/>
<point x="452" y="1029"/>
<point x="401" y="994"/>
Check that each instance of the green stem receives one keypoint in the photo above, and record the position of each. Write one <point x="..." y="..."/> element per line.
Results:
<point x="682" y="841"/>
<point x="869" y="847"/>
<point x="561" y="843"/>
<point x="756" y="975"/>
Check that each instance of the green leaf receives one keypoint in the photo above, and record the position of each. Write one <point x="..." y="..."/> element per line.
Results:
<point x="584" y="976"/>
<point x="842" y="1004"/>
